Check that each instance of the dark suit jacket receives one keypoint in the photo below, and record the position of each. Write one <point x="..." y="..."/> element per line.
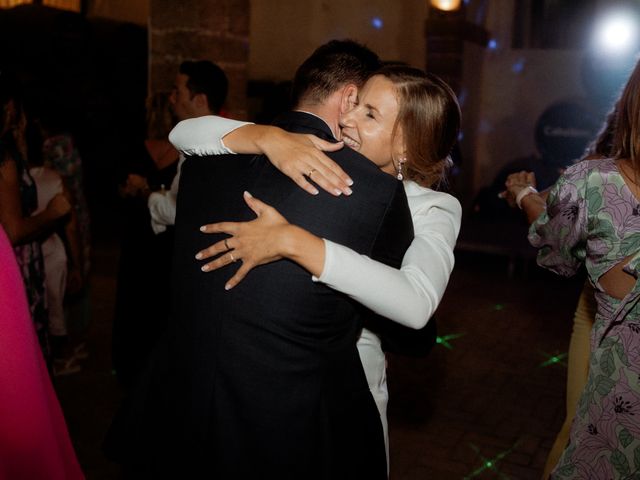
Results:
<point x="270" y="382"/>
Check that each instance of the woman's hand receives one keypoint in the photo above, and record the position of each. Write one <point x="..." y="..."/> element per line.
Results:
<point x="58" y="207"/>
<point x="135" y="185"/>
<point x="300" y="157"/>
<point x="532" y="202"/>
<point x="515" y="183"/>
<point x="255" y="243"/>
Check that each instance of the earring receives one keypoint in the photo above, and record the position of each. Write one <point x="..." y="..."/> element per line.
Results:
<point x="400" y="176"/>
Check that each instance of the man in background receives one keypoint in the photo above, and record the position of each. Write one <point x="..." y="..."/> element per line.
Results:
<point x="144" y="277"/>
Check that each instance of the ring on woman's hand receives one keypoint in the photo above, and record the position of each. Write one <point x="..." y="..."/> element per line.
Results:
<point x="311" y="172"/>
<point x="226" y="244"/>
<point x="233" y="260"/>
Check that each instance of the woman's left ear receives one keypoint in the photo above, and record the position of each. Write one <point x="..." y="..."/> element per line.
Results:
<point x="399" y="144"/>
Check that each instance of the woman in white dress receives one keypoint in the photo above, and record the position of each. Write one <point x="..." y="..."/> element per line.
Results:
<point x="398" y="106"/>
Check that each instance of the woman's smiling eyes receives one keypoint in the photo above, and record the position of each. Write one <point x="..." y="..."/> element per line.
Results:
<point x="369" y="111"/>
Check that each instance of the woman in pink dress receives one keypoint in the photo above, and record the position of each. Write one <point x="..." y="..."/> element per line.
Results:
<point x="34" y="442"/>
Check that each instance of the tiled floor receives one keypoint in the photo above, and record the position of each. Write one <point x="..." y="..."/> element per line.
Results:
<point x="490" y="397"/>
<point x="482" y="405"/>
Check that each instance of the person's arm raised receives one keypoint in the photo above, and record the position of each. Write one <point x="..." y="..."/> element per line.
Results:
<point x="299" y="156"/>
<point x="531" y="202"/>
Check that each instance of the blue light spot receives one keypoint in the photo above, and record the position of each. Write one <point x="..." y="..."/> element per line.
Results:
<point x="462" y="96"/>
<point x="518" y="67"/>
<point x="492" y="45"/>
<point x="377" y="23"/>
<point x="460" y="136"/>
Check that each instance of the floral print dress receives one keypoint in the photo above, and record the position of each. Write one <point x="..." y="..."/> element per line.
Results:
<point x="592" y="217"/>
<point x="61" y="154"/>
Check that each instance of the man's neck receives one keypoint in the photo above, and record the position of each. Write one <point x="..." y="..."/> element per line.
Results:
<point x="325" y="113"/>
<point x="200" y="113"/>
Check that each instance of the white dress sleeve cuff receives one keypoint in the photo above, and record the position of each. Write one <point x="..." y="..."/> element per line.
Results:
<point x="203" y="135"/>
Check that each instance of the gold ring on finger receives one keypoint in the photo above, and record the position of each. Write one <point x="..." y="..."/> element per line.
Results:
<point x="233" y="260"/>
<point x="311" y="172"/>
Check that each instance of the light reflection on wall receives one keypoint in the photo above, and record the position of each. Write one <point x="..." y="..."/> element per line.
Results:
<point x="13" y="3"/>
<point x="73" y="5"/>
<point x="394" y="30"/>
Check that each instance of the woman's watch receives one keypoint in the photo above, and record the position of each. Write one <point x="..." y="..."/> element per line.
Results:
<point x="523" y="193"/>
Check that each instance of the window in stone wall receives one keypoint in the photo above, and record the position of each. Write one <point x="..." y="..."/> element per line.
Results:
<point x="553" y="24"/>
<point x="73" y="5"/>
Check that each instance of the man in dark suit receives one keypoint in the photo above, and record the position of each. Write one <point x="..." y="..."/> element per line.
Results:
<point x="265" y="380"/>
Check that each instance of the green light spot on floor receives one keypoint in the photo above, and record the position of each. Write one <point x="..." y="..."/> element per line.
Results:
<point x="557" y="359"/>
<point x="444" y="339"/>
<point x="490" y="463"/>
<point x="498" y="307"/>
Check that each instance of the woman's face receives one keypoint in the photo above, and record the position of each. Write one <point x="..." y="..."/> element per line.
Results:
<point x="367" y="128"/>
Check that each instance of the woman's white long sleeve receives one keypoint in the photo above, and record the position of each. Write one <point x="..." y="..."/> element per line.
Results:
<point x="410" y="295"/>
<point x="203" y="135"/>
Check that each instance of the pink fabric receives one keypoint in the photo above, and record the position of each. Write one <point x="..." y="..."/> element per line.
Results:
<point x="34" y="442"/>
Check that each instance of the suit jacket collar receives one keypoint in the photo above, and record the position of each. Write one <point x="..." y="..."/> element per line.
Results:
<point x="307" y="121"/>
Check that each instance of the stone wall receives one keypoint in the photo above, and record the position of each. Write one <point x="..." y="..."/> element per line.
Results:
<point x="216" y="30"/>
<point x="134" y="11"/>
<point x="285" y="32"/>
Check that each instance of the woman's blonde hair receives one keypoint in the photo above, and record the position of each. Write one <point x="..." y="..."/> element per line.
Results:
<point x="626" y="137"/>
<point x="429" y="116"/>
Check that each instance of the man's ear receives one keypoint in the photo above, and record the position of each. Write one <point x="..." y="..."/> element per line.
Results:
<point x="349" y="97"/>
<point x="200" y="100"/>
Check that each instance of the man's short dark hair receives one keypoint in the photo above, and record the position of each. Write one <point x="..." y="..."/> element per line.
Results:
<point x="330" y="67"/>
<point x="207" y="78"/>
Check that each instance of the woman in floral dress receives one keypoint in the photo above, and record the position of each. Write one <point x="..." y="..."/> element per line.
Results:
<point x="593" y="217"/>
<point x="62" y="155"/>
<point x="18" y="200"/>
